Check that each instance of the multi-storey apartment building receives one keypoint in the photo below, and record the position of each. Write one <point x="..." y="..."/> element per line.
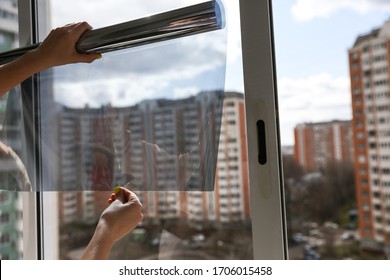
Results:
<point x="229" y="202"/>
<point x="167" y="150"/>
<point x="8" y="24"/>
<point x="8" y="37"/>
<point x="369" y="60"/>
<point x="318" y="143"/>
<point x="11" y="206"/>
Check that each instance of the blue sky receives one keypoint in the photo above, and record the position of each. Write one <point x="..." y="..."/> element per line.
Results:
<point x="312" y="39"/>
<point x="321" y="43"/>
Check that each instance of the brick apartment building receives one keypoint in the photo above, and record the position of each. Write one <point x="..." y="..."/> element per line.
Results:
<point x="318" y="143"/>
<point x="369" y="60"/>
<point x="163" y="147"/>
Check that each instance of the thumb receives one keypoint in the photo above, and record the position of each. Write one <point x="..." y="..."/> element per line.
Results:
<point x="120" y="194"/>
<point x="88" y="58"/>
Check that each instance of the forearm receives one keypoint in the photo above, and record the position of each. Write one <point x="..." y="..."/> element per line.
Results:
<point x="121" y="216"/>
<point x="19" y="70"/>
<point x="100" y="245"/>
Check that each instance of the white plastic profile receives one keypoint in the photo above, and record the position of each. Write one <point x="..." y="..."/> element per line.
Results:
<point x="266" y="184"/>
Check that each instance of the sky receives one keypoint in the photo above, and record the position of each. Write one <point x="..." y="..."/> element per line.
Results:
<point x="312" y="38"/>
<point x="153" y="71"/>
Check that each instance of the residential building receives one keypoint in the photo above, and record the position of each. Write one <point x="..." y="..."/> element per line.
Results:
<point x="186" y="158"/>
<point x="318" y="143"/>
<point x="8" y="38"/>
<point x="369" y="59"/>
<point x="11" y="206"/>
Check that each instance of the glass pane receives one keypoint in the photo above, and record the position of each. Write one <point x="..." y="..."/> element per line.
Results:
<point x="14" y="222"/>
<point x="141" y="118"/>
<point x="156" y="116"/>
<point x="332" y="62"/>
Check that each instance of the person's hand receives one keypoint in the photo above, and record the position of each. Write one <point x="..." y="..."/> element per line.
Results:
<point x="59" y="47"/>
<point x="122" y="215"/>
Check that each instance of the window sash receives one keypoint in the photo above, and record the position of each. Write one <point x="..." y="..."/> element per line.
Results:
<point x="266" y="186"/>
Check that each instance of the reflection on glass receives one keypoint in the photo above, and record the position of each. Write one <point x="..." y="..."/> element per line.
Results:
<point x="158" y="120"/>
<point x="177" y="23"/>
<point x="12" y="173"/>
<point x="161" y="141"/>
<point x="177" y="224"/>
<point x="158" y="144"/>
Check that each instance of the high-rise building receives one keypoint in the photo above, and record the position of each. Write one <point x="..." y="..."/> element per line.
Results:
<point x="318" y="143"/>
<point x="168" y="149"/>
<point x="11" y="218"/>
<point x="229" y="202"/>
<point x="8" y="37"/>
<point x="369" y="60"/>
<point x="8" y="25"/>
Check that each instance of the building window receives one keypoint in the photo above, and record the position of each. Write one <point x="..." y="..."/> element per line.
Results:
<point x="4" y="218"/>
<point x="358" y="101"/>
<point x="360" y="135"/>
<point x="355" y="56"/>
<point x="4" y="239"/>
<point x="361" y="159"/>
<point x="4" y="196"/>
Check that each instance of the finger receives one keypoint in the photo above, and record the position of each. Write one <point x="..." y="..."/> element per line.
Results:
<point x="127" y="193"/>
<point x="71" y="24"/>
<point x="112" y="198"/>
<point x="80" y="28"/>
<point x="133" y="198"/>
<point x="88" y="58"/>
<point x="120" y="194"/>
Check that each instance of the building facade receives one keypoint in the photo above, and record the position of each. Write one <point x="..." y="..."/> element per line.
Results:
<point x="229" y="202"/>
<point x="8" y="38"/>
<point x="318" y="143"/>
<point x="186" y="159"/>
<point x="11" y="206"/>
<point x="369" y="60"/>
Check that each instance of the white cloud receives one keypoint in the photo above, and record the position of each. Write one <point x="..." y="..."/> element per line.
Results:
<point x="125" y="77"/>
<point x="315" y="98"/>
<point x="107" y="12"/>
<point x="185" y="92"/>
<point x="304" y="10"/>
<point x="118" y="92"/>
<point x="101" y="13"/>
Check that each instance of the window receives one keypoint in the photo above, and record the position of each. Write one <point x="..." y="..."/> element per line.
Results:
<point x="164" y="117"/>
<point x="4" y="218"/>
<point x="95" y="107"/>
<point x="17" y="225"/>
<point x="348" y="81"/>
<point x="94" y="110"/>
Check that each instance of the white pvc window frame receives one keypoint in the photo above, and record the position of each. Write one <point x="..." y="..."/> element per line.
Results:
<point x="31" y="15"/>
<point x="30" y="200"/>
<point x="265" y="169"/>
